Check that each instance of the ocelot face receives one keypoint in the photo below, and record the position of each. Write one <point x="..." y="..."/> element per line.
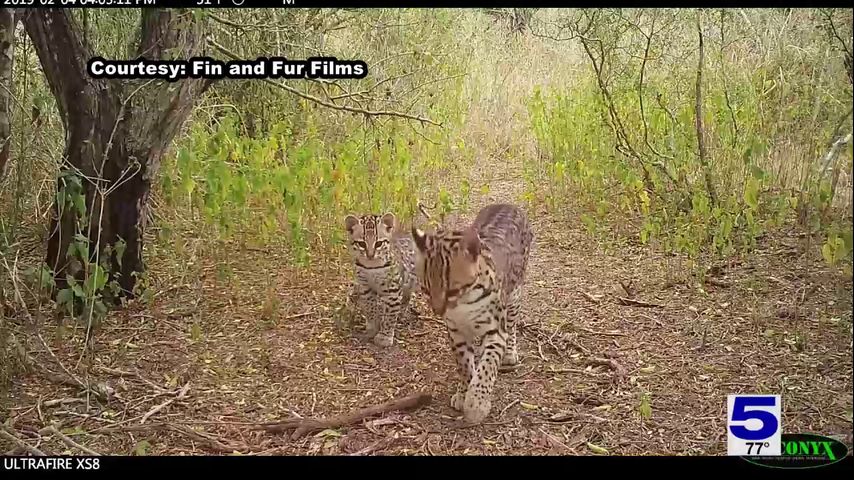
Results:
<point x="446" y="265"/>
<point x="370" y="238"/>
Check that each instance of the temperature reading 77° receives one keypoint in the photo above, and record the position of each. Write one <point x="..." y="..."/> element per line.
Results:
<point x="758" y="446"/>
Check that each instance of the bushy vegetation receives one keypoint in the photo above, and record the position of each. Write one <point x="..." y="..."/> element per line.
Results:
<point x="282" y="168"/>
<point x="623" y="141"/>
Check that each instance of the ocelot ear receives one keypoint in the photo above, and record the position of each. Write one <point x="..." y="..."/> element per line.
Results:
<point x="388" y="220"/>
<point x="420" y="239"/>
<point x="350" y="221"/>
<point x="471" y="242"/>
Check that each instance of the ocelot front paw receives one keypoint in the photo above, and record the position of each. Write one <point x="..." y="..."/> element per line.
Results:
<point x="458" y="401"/>
<point x="476" y="407"/>
<point x="510" y="358"/>
<point x="383" y="340"/>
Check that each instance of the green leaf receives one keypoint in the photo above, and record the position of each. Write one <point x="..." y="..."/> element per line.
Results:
<point x="645" y="408"/>
<point x="64" y="296"/>
<point x="329" y="433"/>
<point x="141" y="448"/>
<point x="597" y="449"/>
<point x="46" y="279"/>
<point x="80" y="203"/>
<point x="96" y="280"/>
<point x="195" y="332"/>
<point x="827" y="253"/>
<point x="751" y="193"/>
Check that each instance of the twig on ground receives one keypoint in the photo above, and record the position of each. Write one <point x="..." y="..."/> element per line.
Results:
<point x="303" y="426"/>
<point x="205" y="438"/>
<point x="51" y="430"/>
<point x="637" y="303"/>
<point x="5" y="433"/>
<point x="508" y="407"/>
<point x="101" y="391"/>
<point x="567" y="416"/>
<point x="607" y="334"/>
<point x="591" y="298"/>
<point x="297" y="315"/>
<point x="382" y="444"/>
<point x="618" y="369"/>
<point x="62" y="401"/>
<point x="181" y="395"/>
<point x="718" y="283"/>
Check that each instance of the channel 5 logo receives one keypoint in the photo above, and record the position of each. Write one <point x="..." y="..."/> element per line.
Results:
<point x="753" y="425"/>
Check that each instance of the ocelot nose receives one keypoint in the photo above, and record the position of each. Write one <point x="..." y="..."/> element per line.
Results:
<point x="438" y="306"/>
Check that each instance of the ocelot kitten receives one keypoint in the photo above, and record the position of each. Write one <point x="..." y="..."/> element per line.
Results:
<point x="384" y="262"/>
<point x="474" y="278"/>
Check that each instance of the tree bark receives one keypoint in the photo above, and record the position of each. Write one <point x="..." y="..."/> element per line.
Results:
<point x="116" y="131"/>
<point x="8" y="19"/>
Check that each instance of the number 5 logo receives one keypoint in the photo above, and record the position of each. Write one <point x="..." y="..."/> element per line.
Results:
<point x="753" y="425"/>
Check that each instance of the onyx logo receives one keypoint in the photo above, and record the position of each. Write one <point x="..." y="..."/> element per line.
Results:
<point x="803" y="450"/>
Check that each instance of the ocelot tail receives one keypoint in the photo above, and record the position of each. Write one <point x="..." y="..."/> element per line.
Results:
<point x="473" y="279"/>
<point x="384" y="261"/>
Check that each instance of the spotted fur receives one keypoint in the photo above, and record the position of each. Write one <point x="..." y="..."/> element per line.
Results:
<point x="384" y="262"/>
<point x="473" y="278"/>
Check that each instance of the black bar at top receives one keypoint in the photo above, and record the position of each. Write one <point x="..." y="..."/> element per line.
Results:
<point x="415" y="4"/>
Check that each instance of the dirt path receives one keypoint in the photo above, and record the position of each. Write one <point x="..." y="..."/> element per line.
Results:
<point x="596" y="375"/>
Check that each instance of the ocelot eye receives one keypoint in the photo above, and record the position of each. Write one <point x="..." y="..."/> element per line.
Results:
<point x="454" y="292"/>
<point x="380" y="243"/>
<point x="360" y="244"/>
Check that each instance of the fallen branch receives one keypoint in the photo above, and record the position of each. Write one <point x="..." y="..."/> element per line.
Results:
<point x="303" y="426"/>
<point x="5" y="433"/>
<point x="51" y="430"/>
<point x="637" y="303"/>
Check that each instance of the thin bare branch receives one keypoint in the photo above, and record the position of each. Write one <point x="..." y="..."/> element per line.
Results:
<point x="701" y="143"/>
<point x="329" y="104"/>
<point x="640" y="90"/>
<point x="51" y="430"/>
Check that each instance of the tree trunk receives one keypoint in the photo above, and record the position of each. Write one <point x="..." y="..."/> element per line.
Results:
<point x="8" y="19"/>
<point x="701" y="142"/>
<point x="116" y="134"/>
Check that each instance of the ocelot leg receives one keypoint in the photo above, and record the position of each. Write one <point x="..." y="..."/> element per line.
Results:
<point x="391" y="310"/>
<point x="367" y="302"/>
<point x="478" y="400"/>
<point x="464" y="354"/>
<point x="514" y="314"/>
